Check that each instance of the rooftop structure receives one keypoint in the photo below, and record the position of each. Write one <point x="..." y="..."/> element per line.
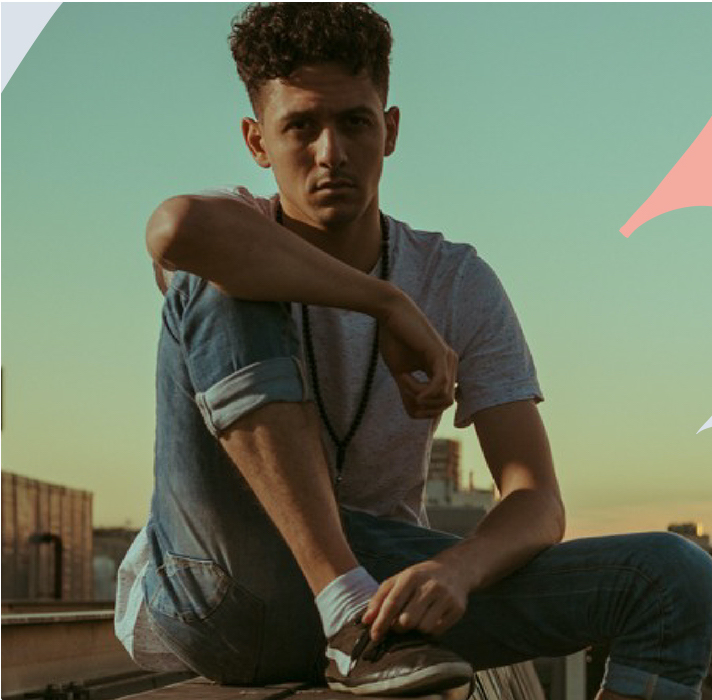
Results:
<point x="451" y="508"/>
<point x="693" y="532"/>
<point x="46" y="540"/>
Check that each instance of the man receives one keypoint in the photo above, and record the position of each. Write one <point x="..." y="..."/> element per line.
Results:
<point x="308" y="349"/>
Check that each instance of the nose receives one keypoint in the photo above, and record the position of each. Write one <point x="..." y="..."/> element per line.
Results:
<point x="330" y="149"/>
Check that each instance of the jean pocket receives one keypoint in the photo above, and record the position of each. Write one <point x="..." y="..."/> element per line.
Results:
<point x="209" y="621"/>
<point x="188" y="589"/>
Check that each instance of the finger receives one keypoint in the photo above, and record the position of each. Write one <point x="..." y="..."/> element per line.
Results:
<point x="426" y="415"/>
<point x="412" y="392"/>
<point x="433" y="616"/>
<point x="431" y="410"/>
<point x="388" y="613"/>
<point x="439" y="381"/>
<point x="414" y="609"/>
<point x="414" y="410"/>
<point x="446" y="621"/>
<point x="443" y="377"/>
<point x="417" y="413"/>
<point x="432" y="389"/>
<point x="390" y="608"/>
<point x="413" y="396"/>
<point x="414" y="612"/>
<point x="374" y="605"/>
<point x="410" y="406"/>
<point x="412" y="385"/>
<point x="440" y="402"/>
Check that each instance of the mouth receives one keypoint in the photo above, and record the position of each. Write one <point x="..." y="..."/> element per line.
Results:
<point x="334" y="185"/>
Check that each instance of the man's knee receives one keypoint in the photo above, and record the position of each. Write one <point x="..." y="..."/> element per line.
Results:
<point x="239" y="355"/>
<point x="214" y="326"/>
<point x="691" y="566"/>
<point x="684" y="577"/>
<point x="683" y="564"/>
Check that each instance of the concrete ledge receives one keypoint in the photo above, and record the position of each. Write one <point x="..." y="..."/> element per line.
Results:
<point x="43" y="618"/>
<point x="39" y="649"/>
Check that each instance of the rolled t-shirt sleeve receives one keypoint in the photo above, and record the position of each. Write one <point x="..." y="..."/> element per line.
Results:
<point x="495" y="365"/>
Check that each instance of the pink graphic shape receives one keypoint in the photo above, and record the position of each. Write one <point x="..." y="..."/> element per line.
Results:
<point x="688" y="184"/>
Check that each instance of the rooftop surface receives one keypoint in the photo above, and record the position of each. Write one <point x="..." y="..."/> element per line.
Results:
<point x="518" y="682"/>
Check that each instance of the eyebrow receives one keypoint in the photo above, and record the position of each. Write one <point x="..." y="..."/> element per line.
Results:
<point x="303" y="113"/>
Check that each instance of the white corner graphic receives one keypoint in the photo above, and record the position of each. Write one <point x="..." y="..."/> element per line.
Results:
<point x="708" y="424"/>
<point x="22" y="23"/>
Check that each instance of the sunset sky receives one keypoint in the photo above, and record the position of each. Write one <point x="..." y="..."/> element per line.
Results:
<point x="532" y="131"/>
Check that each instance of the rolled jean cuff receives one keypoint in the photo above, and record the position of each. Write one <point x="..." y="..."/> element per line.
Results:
<point x="234" y="396"/>
<point x="635" y="683"/>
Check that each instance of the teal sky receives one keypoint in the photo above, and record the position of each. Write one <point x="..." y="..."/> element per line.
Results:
<point x="532" y="131"/>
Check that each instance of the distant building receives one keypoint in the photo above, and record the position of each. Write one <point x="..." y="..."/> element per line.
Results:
<point x="110" y="546"/>
<point x="693" y="532"/>
<point x="444" y="472"/>
<point x="46" y="540"/>
<point x="450" y="508"/>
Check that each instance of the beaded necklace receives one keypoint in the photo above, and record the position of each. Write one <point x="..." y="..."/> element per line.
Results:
<point x="342" y="443"/>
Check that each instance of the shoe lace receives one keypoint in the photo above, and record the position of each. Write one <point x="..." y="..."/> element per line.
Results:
<point x="369" y="650"/>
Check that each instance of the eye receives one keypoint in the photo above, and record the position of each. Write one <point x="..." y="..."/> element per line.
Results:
<point x="299" y="125"/>
<point x="357" y="120"/>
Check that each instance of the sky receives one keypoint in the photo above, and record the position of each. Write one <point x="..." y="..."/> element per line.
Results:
<point x="531" y="131"/>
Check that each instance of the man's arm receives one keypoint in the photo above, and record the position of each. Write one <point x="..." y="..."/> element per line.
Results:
<point x="247" y="255"/>
<point x="432" y="595"/>
<point x="530" y="515"/>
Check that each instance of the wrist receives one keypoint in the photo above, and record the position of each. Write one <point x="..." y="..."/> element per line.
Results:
<point x="459" y="562"/>
<point x="385" y="300"/>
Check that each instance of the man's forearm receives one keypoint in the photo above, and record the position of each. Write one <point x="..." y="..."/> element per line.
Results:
<point x="519" y="527"/>
<point x="247" y="255"/>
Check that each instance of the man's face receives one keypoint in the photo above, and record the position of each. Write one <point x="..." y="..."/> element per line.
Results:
<point x="324" y="134"/>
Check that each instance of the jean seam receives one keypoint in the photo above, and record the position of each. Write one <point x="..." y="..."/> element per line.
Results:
<point x="659" y="594"/>
<point x="651" y="682"/>
<point x="224" y="581"/>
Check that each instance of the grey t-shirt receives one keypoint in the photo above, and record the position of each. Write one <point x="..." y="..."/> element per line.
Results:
<point x="386" y="462"/>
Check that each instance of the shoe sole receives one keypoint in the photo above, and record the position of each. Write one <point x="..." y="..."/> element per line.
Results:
<point x="428" y="680"/>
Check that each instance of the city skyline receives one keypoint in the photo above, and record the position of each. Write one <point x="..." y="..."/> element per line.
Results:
<point x="530" y="131"/>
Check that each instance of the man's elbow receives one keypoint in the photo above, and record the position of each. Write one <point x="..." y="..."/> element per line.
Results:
<point x="166" y="232"/>
<point x="558" y="519"/>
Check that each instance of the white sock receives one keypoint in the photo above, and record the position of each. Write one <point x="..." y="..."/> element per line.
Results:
<point x="344" y="598"/>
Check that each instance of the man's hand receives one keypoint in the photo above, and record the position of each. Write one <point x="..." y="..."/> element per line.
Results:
<point x="430" y="596"/>
<point x="408" y="344"/>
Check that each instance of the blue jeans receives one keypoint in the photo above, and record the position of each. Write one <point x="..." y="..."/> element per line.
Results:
<point x="227" y="597"/>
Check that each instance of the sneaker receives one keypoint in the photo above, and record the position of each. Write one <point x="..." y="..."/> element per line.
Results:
<point x="398" y="664"/>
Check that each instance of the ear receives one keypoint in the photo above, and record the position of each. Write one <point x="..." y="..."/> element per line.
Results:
<point x="392" y="117"/>
<point x="252" y="133"/>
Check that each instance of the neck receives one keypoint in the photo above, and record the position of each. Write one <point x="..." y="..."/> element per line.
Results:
<point x="356" y="243"/>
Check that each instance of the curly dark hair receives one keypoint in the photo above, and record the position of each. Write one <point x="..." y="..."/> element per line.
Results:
<point x="272" y="40"/>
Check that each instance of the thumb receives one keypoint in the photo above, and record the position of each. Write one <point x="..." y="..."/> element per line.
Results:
<point x="412" y="385"/>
